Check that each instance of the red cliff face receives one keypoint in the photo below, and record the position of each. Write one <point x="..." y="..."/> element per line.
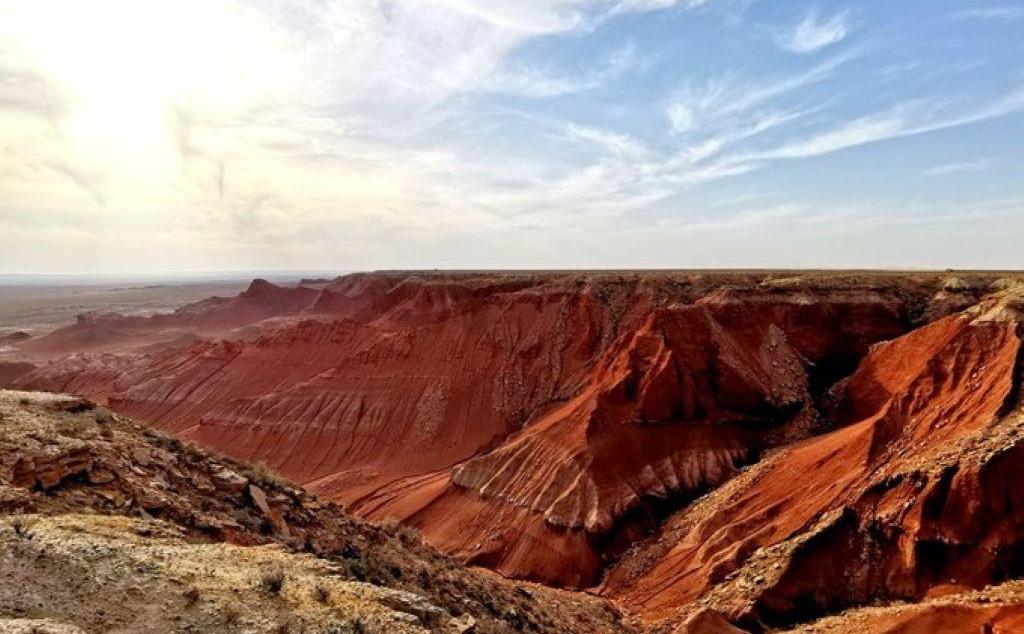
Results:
<point x="887" y="506"/>
<point x="672" y="408"/>
<point x="710" y="448"/>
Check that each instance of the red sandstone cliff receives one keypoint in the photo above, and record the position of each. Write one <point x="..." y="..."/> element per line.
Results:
<point x="915" y="494"/>
<point x="544" y="424"/>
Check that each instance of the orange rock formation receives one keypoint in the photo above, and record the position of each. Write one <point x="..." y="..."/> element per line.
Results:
<point x="709" y="448"/>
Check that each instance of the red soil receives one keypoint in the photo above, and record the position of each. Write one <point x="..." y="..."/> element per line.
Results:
<point x="885" y="506"/>
<point x="545" y="424"/>
<point x="670" y="409"/>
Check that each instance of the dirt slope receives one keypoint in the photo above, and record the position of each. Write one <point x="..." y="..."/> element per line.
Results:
<point x="889" y="506"/>
<point x="109" y="526"/>
<point x="417" y="391"/>
<point x="716" y="450"/>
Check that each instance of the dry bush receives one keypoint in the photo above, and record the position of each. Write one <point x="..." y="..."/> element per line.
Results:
<point x="193" y="451"/>
<point x="231" y="614"/>
<point x="72" y="428"/>
<point x="355" y="626"/>
<point x="22" y="526"/>
<point x="261" y="472"/>
<point x="410" y="535"/>
<point x="191" y="596"/>
<point x="272" y="578"/>
<point x="321" y="592"/>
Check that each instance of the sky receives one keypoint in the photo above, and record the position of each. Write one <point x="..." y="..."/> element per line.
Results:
<point x="219" y="135"/>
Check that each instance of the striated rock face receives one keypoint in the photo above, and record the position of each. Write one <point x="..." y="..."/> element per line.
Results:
<point x="886" y="506"/>
<point x="671" y="409"/>
<point x="998" y="609"/>
<point x="710" y="451"/>
<point x="108" y="526"/>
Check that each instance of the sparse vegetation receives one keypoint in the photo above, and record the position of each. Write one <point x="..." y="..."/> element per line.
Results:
<point x="410" y="535"/>
<point x="231" y="614"/>
<point x="261" y="472"/>
<point x="338" y="627"/>
<point x="321" y="592"/>
<point x="191" y="596"/>
<point x="390" y="556"/>
<point x="72" y="427"/>
<point x="22" y="526"/>
<point x="193" y="451"/>
<point x="272" y="578"/>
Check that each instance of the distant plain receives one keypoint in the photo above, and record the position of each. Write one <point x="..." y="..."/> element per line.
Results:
<point x="38" y="309"/>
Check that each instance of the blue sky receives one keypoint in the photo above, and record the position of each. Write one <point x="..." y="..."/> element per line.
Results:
<point x="222" y="134"/>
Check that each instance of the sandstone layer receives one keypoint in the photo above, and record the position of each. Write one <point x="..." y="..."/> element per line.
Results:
<point x="106" y="526"/>
<point x="708" y="450"/>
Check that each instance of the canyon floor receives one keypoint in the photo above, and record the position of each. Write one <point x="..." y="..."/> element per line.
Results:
<point x="665" y="451"/>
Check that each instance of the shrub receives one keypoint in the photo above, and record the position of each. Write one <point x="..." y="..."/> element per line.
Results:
<point x="272" y="578"/>
<point x="321" y="592"/>
<point x="231" y="614"/>
<point x="191" y="596"/>
<point x="22" y="526"/>
<point x="73" y="428"/>
<point x="410" y="535"/>
<point x="262" y="473"/>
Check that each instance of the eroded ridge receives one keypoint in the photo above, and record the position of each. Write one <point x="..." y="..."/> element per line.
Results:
<point x="709" y="451"/>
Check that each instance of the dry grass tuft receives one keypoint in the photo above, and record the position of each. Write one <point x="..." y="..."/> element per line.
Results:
<point x="260" y="472"/>
<point x="22" y="526"/>
<point x="191" y="596"/>
<point x="272" y="578"/>
<point x="321" y="593"/>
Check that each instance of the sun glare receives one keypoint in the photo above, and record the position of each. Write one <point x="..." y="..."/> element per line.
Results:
<point x="125" y="69"/>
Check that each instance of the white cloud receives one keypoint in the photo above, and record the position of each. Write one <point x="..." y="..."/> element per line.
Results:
<point x="728" y="100"/>
<point x="680" y="116"/>
<point x="814" y="33"/>
<point x="990" y="13"/>
<point x="242" y="130"/>
<point x="907" y="119"/>
<point x="240" y="122"/>
<point x="614" y="143"/>
<point x="959" y="167"/>
<point x="536" y="82"/>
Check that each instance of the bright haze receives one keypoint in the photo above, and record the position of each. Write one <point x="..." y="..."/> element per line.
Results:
<point x="213" y="135"/>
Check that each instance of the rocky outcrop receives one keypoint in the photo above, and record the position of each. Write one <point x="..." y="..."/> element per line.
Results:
<point x="741" y="449"/>
<point x="98" y="512"/>
<point x="670" y="410"/>
<point x="885" y="506"/>
<point x="17" y="336"/>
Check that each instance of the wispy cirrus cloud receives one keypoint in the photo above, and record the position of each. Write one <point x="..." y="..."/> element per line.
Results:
<point x="1002" y="12"/>
<point x="615" y="143"/>
<point x="958" y="167"/>
<point x="401" y="129"/>
<point x="723" y="98"/>
<point x="529" y="81"/>
<point x="903" y="120"/>
<point x="815" y="32"/>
